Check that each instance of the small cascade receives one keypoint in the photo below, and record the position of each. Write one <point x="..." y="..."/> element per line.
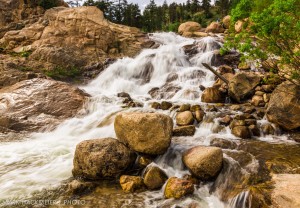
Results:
<point x="242" y="200"/>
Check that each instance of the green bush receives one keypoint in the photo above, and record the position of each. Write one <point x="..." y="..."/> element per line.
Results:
<point x="48" y="4"/>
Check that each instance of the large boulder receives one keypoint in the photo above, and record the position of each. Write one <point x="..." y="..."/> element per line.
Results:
<point x="178" y="188"/>
<point x="74" y="37"/>
<point x="101" y="159"/>
<point x="189" y="27"/>
<point x="33" y="104"/>
<point x="213" y="95"/>
<point x="214" y="27"/>
<point x="284" y="106"/>
<point x="243" y="85"/>
<point x="148" y="133"/>
<point x="203" y="162"/>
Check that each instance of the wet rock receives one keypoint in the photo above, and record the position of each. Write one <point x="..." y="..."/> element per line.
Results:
<point x="167" y="91"/>
<point x="212" y="95"/>
<point x="188" y="27"/>
<point x="166" y="105"/>
<point x="191" y="178"/>
<point x="260" y="113"/>
<point x="226" y="120"/>
<point x="254" y="130"/>
<point x="172" y="77"/>
<point x="223" y="143"/>
<point x="184" y="118"/>
<point x="124" y="95"/>
<point x="230" y="59"/>
<point x="184" y="107"/>
<point x="215" y="27"/>
<point x="199" y="115"/>
<point x="131" y="183"/>
<point x="101" y="159"/>
<point x="77" y="187"/>
<point x="178" y="188"/>
<point x="202" y="88"/>
<point x="237" y="122"/>
<point x="195" y="108"/>
<point x="38" y="104"/>
<point x="154" y="177"/>
<point x="148" y="133"/>
<point x="241" y="131"/>
<point x="203" y="162"/>
<point x="284" y="106"/>
<point x="268" y="129"/>
<point x="184" y="130"/>
<point x="258" y="101"/>
<point x="155" y="105"/>
<point x="242" y="85"/>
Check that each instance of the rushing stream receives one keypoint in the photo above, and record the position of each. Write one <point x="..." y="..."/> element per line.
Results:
<point x="44" y="160"/>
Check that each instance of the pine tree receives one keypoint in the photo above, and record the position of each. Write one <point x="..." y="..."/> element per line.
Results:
<point x="206" y="6"/>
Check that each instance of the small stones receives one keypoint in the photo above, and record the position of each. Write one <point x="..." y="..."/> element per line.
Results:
<point x="131" y="183"/>
<point x="184" y="130"/>
<point x="254" y="130"/>
<point x="144" y="161"/>
<point x="268" y="129"/>
<point x="184" y="118"/>
<point x="155" y="105"/>
<point x="178" y="188"/>
<point x="154" y="177"/>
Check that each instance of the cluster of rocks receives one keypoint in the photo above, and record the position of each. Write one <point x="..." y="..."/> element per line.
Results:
<point x="140" y="138"/>
<point x="194" y="29"/>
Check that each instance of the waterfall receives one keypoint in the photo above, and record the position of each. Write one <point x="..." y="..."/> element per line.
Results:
<point x="44" y="160"/>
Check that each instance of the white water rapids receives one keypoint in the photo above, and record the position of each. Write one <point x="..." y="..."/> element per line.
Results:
<point x="45" y="159"/>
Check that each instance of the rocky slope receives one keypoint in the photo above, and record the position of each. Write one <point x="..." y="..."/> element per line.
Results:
<point x="70" y="39"/>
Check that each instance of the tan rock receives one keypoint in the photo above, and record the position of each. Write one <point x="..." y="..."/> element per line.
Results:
<point x="226" y="21"/>
<point x="203" y="162"/>
<point x="189" y="27"/>
<point x="258" y="101"/>
<point x="148" y="133"/>
<point x="101" y="158"/>
<point x="241" y="131"/>
<point x="215" y="27"/>
<point x="154" y="177"/>
<point x="200" y="34"/>
<point x="199" y="115"/>
<point x="184" y="118"/>
<point x="131" y="183"/>
<point x="239" y="26"/>
<point x="178" y="188"/>
<point x="284" y="106"/>
<point x="286" y="192"/>
<point x="212" y="95"/>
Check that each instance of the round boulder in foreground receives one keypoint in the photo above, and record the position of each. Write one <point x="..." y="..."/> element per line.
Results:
<point x="148" y="133"/>
<point x="101" y="159"/>
<point x="204" y="162"/>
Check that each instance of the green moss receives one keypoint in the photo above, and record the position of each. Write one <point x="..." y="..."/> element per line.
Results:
<point x="62" y="73"/>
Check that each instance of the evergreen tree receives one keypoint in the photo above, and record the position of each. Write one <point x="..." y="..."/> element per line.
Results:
<point x="206" y="6"/>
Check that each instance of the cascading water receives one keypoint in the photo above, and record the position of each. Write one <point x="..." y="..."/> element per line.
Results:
<point x="45" y="159"/>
